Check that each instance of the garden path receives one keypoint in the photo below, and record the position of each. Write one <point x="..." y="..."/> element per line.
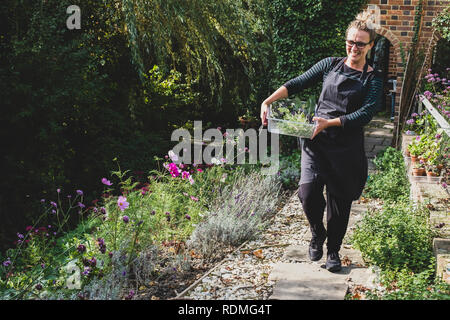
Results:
<point x="276" y="266"/>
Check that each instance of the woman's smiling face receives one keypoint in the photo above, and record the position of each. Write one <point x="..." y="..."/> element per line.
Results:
<point x="354" y="53"/>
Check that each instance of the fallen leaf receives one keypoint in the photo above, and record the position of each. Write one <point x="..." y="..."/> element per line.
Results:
<point x="356" y="296"/>
<point x="258" y="254"/>
<point x="346" y="261"/>
<point x="155" y="298"/>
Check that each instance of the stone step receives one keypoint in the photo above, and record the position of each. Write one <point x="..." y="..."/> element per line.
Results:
<point x="306" y="280"/>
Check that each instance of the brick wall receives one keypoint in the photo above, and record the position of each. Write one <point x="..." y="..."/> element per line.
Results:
<point x="397" y="25"/>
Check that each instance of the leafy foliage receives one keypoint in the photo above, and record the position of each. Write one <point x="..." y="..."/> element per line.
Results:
<point x="298" y="46"/>
<point x="389" y="182"/>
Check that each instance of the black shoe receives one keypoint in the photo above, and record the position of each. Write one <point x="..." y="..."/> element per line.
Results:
<point x="316" y="247"/>
<point x="333" y="263"/>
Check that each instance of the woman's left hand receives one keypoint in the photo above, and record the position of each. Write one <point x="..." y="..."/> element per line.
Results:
<point x="321" y="124"/>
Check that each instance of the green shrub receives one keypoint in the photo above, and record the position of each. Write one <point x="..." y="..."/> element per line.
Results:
<point x="241" y="210"/>
<point x="407" y="285"/>
<point x="389" y="182"/>
<point x="395" y="237"/>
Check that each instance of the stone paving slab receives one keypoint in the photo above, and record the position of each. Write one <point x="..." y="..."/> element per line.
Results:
<point x="308" y="281"/>
<point x="311" y="289"/>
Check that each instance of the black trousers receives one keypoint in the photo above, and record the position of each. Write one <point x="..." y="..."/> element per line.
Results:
<point x="338" y="212"/>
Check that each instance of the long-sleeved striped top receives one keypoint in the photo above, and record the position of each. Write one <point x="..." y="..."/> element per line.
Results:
<point x="320" y="70"/>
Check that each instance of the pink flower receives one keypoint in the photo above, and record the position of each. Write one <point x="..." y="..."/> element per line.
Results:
<point x="199" y="170"/>
<point x="106" y="182"/>
<point x="194" y="198"/>
<point x="122" y="203"/>
<point x="185" y="175"/>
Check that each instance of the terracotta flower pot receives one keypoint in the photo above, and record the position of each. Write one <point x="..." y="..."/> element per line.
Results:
<point x="431" y="175"/>
<point x="418" y="171"/>
<point x="414" y="159"/>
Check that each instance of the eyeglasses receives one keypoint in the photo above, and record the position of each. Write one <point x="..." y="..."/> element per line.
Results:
<point x="359" y="45"/>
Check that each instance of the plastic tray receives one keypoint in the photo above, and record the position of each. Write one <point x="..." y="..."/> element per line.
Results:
<point x="290" y="128"/>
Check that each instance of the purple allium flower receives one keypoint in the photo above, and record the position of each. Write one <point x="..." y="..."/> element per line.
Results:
<point x="53" y="204"/>
<point x="81" y="205"/>
<point x="444" y="185"/>
<point x="438" y="136"/>
<point x="79" y="192"/>
<point x="410" y="121"/>
<point x="188" y="217"/>
<point x="122" y="203"/>
<point x="103" y="210"/>
<point x="43" y="265"/>
<point x="124" y="273"/>
<point x="53" y="211"/>
<point x="414" y="115"/>
<point x="106" y="182"/>
<point x="110" y="254"/>
<point x="20" y="236"/>
<point x="7" y="263"/>
<point x="42" y="200"/>
<point x="153" y="212"/>
<point x="81" y="248"/>
<point x="58" y="190"/>
<point x="126" y="219"/>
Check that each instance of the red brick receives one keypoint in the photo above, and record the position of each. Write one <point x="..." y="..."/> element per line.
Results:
<point x="407" y="8"/>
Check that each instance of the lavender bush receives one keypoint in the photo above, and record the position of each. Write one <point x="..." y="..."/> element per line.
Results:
<point x="241" y="210"/>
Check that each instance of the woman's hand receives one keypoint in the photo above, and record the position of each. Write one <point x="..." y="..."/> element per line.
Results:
<point x="264" y="110"/>
<point x="321" y="124"/>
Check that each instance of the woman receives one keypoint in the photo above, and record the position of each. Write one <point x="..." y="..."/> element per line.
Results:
<point x="335" y="155"/>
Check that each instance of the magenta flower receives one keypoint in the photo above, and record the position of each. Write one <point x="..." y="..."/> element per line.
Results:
<point x="81" y="205"/>
<point x="122" y="203"/>
<point x="185" y="175"/>
<point x="79" y="192"/>
<point x="194" y="198"/>
<point x="106" y="182"/>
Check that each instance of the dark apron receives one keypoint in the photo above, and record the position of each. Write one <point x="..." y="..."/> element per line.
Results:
<point x="337" y="154"/>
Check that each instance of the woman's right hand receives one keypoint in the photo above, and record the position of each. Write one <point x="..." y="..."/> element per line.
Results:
<point x="264" y="110"/>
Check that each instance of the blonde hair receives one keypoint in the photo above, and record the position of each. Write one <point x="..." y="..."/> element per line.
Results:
<point x="363" y="22"/>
